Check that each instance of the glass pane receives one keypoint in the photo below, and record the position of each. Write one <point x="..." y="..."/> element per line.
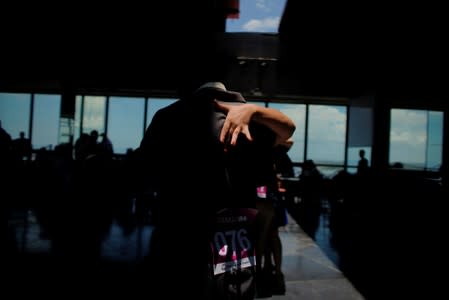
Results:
<point x="408" y="138"/>
<point x="434" y="140"/>
<point x="360" y="127"/>
<point x="94" y="114"/>
<point x="327" y="134"/>
<point x="46" y="121"/>
<point x="154" y="105"/>
<point x="77" y="125"/>
<point x="66" y="130"/>
<point x="15" y="113"/>
<point x="125" y="122"/>
<point x="297" y="112"/>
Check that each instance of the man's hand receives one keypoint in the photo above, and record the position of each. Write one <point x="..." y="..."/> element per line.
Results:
<point x="238" y="117"/>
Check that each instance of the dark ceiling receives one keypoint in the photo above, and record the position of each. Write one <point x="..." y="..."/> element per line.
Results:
<point x="156" y="45"/>
<point x="395" y="49"/>
<point x="327" y="49"/>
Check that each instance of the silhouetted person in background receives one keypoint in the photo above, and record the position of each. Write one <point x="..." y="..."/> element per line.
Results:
<point x="105" y="146"/>
<point x="82" y="147"/>
<point x="193" y="136"/>
<point x="22" y="147"/>
<point x="92" y="145"/>
<point x="269" y="276"/>
<point x="362" y="166"/>
<point x="272" y="215"/>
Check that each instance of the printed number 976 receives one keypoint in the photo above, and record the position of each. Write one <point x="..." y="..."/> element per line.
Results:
<point x="237" y="238"/>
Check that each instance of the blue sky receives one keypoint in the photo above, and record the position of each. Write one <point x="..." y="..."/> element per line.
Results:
<point x="257" y="16"/>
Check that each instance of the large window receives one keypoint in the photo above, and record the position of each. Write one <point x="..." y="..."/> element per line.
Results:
<point x="15" y="113"/>
<point x="416" y="136"/>
<point x="326" y="137"/>
<point x="326" y="134"/>
<point x="125" y="122"/>
<point x="46" y="113"/>
<point x="434" y="153"/>
<point x="416" y="139"/>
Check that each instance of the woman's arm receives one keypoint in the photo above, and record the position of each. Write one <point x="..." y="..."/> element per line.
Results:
<point x="239" y="115"/>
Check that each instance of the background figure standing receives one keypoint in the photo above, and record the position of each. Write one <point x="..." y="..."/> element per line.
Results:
<point x="271" y="215"/>
<point x="362" y="167"/>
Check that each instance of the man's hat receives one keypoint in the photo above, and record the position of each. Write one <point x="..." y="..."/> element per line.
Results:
<point x="218" y="91"/>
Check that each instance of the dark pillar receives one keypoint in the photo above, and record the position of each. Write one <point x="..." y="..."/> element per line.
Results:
<point x="381" y="133"/>
<point x="67" y="117"/>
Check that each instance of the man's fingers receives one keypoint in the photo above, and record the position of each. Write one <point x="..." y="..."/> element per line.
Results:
<point x="232" y="133"/>
<point x="224" y="131"/>
<point x="246" y="132"/>
<point x="235" y="134"/>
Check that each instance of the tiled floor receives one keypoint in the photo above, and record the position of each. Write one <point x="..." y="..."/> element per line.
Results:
<point x="309" y="274"/>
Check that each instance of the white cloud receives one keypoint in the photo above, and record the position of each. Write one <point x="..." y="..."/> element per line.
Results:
<point x="326" y="132"/>
<point x="408" y="119"/>
<point x="94" y="113"/>
<point x="327" y="123"/>
<point x="297" y="113"/>
<point x="407" y="137"/>
<point x="262" y="5"/>
<point x="269" y="24"/>
<point x="408" y="126"/>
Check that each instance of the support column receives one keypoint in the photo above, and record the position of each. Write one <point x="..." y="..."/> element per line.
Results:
<point x="381" y="134"/>
<point x="67" y="118"/>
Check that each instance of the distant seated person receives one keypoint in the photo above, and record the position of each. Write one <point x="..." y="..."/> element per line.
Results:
<point x="21" y="147"/>
<point x="105" y="146"/>
<point x="397" y="165"/>
<point x="309" y="170"/>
